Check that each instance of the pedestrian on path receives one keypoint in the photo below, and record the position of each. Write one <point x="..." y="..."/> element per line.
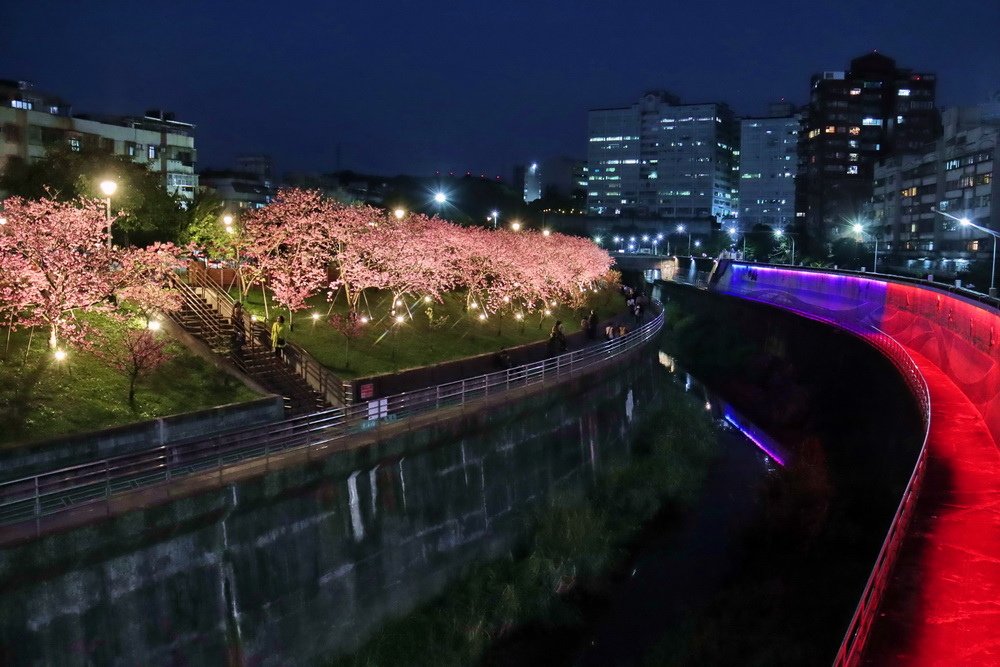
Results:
<point x="592" y="325"/>
<point x="278" y="336"/>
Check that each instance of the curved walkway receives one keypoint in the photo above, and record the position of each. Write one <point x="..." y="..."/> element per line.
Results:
<point x="942" y="603"/>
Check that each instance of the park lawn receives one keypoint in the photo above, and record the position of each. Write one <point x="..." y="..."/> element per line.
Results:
<point x="43" y="398"/>
<point x="384" y="347"/>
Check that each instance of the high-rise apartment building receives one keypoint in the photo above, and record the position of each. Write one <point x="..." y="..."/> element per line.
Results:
<point x="662" y="159"/>
<point x="31" y="122"/>
<point x="768" y="165"/>
<point x="853" y="119"/>
<point x="955" y="175"/>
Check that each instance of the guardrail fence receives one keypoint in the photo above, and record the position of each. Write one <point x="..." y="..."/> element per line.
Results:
<point x="31" y="499"/>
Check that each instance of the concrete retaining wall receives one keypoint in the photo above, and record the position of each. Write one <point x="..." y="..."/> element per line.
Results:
<point x="73" y="450"/>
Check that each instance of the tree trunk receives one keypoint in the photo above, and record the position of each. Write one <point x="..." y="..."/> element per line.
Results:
<point x="131" y="387"/>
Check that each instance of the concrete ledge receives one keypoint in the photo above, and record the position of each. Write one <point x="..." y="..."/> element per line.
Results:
<point x="62" y="452"/>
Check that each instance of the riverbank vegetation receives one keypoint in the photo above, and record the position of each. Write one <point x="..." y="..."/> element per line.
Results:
<point x="572" y="542"/>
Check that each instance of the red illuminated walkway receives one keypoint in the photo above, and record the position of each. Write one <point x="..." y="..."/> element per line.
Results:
<point x="942" y="605"/>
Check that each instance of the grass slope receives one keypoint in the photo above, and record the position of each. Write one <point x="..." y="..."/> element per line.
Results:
<point x="42" y="398"/>
<point x="385" y="347"/>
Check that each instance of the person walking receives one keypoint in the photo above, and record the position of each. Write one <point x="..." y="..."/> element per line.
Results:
<point x="592" y="325"/>
<point x="239" y="332"/>
<point x="278" y="336"/>
<point x="557" y="339"/>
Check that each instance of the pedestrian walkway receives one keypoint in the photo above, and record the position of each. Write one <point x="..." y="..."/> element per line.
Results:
<point x="942" y="603"/>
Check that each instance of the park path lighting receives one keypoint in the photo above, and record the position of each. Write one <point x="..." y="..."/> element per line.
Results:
<point x="482" y="316"/>
<point x="399" y="213"/>
<point x="60" y="355"/>
<point x="546" y="232"/>
<point x="495" y="215"/>
<point x="154" y="325"/>
<point x="3" y="220"/>
<point x="440" y="198"/>
<point x="516" y="226"/>
<point x="597" y="240"/>
<point x="108" y="188"/>
<point x="860" y="230"/>
<point x="780" y="234"/>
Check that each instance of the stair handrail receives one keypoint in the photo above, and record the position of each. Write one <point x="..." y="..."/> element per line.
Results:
<point x="316" y="375"/>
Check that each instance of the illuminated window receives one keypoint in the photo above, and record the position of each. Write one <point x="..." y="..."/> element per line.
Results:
<point x="813" y="134"/>
<point x="855" y="131"/>
<point x="871" y="122"/>
<point x="853" y="157"/>
<point x="74" y="145"/>
<point x="830" y="129"/>
<point x="904" y="92"/>
<point x="21" y="104"/>
<point x="151" y="152"/>
<point x="853" y="169"/>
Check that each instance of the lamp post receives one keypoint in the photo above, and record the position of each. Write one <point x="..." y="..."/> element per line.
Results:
<point x="400" y="213"/>
<point x="859" y="230"/>
<point x="440" y="199"/>
<point x="656" y="242"/>
<point x="495" y="215"/>
<point x="965" y="222"/>
<point x="516" y="226"/>
<point x="108" y="187"/>
<point x="780" y="233"/>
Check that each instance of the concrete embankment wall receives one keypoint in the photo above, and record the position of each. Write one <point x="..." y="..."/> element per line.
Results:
<point x="35" y="457"/>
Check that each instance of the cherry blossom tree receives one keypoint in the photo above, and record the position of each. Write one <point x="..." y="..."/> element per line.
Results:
<point x="144" y="278"/>
<point x="286" y="240"/>
<point x="54" y="260"/>
<point x="135" y="353"/>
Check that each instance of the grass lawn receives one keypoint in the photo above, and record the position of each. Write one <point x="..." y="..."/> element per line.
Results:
<point x="385" y="347"/>
<point x="42" y="398"/>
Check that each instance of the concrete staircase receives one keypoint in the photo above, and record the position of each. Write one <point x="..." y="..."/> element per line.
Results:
<point x="198" y="317"/>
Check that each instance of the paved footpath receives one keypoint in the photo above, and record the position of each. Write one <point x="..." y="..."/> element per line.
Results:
<point x="942" y="605"/>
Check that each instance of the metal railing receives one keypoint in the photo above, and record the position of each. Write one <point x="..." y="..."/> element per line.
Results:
<point x="333" y="389"/>
<point x="853" y="644"/>
<point x="31" y="499"/>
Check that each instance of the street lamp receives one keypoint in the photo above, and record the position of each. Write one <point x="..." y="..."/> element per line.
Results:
<point x="780" y="233"/>
<point x="495" y="215"/>
<point x="516" y="226"/>
<point x="108" y="187"/>
<point x="399" y="213"/>
<point x="965" y="222"/>
<point x="859" y="230"/>
<point x="546" y="232"/>
<point x="656" y="242"/>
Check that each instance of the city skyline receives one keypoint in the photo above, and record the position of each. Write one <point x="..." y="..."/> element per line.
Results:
<point x="428" y="89"/>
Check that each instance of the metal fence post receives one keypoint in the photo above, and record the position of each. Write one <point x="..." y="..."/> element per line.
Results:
<point x="463" y="393"/>
<point x="38" y="510"/>
<point x="107" y="486"/>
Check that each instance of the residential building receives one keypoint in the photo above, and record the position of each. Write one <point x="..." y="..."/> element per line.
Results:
<point x="854" y="119"/>
<point x="662" y="159"/>
<point x="261" y="166"/>
<point x="31" y="122"/>
<point x="768" y="165"/>
<point x="955" y="175"/>
<point x="238" y="190"/>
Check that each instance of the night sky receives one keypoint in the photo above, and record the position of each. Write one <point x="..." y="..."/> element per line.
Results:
<point x="419" y="87"/>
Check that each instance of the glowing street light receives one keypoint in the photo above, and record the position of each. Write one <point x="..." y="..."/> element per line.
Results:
<point x="400" y="319"/>
<point x="482" y="316"/>
<point x="60" y="355"/>
<point x="3" y="221"/>
<point x="399" y="213"/>
<point x="965" y="222"/>
<point x="154" y="325"/>
<point x="546" y="232"/>
<point x="780" y="233"/>
<point x="516" y="226"/>
<point x="108" y="187"/>
<point x="495" y="215"/>
<point x="859" y="230"/>
<point x="440" y="197"/>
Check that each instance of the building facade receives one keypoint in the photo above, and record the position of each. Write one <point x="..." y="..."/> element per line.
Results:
<point x="955" y="175"/>
<point x="854" y="119"/>
<point x="31" y="122"/>
<point x="768" y="166"/>
<point x="662" y="159"/>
